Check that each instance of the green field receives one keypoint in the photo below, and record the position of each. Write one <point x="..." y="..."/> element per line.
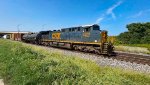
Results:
<point x="140" y="45"/>
<point x="22" y="64"/>
<point x="134" y="48"/>
<point x="129" y="47"/>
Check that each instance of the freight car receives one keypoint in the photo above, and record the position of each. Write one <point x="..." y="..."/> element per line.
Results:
<point x="87" y="38"/>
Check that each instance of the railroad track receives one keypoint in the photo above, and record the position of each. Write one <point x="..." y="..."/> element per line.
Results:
<point x="139" y="59"/>
<point x="128" y="57"/>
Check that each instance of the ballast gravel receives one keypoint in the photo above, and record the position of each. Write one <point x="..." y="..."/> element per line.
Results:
<point x="104" y="61"/>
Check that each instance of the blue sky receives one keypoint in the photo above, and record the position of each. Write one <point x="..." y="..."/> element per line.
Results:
<point x="36" y="15"/>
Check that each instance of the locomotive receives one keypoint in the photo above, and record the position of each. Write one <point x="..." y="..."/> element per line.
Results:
<point x="88" y="38"/>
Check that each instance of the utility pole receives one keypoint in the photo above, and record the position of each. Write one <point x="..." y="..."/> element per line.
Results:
<point x="18" y="31"/>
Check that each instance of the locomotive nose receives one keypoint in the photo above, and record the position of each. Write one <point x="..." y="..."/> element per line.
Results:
<point x="103" y="36"/>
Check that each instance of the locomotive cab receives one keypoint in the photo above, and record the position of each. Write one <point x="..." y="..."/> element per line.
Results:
<point x="106" y="47"/>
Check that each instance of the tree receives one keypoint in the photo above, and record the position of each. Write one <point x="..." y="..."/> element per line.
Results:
<point x="137" y="33"/>
<point x="124" y="37"/>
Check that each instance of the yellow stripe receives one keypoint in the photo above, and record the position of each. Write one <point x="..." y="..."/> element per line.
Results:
<point x="65" y="41"/>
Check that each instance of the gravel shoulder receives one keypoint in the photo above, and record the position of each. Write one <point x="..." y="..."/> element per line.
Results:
<point x="103" y="61"/>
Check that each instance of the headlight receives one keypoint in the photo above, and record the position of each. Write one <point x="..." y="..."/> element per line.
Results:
<point x="95" y="40"/>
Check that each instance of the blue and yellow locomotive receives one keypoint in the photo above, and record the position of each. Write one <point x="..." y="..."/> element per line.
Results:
<point x="87" y="38"/>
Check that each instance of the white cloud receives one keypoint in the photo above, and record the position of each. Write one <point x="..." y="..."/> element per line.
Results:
<point x="136" y="15"/>
<point x="109" y="11"/>
<point x="140" y="13"/>
<point x="99" y="20"/>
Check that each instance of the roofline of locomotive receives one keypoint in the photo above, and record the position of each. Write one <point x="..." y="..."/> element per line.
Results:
<point x="81" y="26"/>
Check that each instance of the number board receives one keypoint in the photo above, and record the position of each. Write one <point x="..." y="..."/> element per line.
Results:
<point x="56" y="35"/>
<point x="86" y="34"/>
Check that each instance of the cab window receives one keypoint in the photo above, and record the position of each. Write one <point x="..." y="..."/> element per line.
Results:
<point x="95" y="27"/>
<point x="87" y="29"/>
<point x="63" y="30"/>
<point x="79" y="29"/>
<point x="69" y="29"/>
<point x="73" y="29"/>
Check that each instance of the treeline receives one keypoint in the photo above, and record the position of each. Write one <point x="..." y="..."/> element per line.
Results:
<point x="138" y="33"/>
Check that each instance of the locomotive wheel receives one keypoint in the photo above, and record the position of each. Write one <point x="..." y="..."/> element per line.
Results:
<point x="75" y="48"/>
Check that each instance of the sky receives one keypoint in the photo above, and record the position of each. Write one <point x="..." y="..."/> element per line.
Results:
<point x="37" y="15"/>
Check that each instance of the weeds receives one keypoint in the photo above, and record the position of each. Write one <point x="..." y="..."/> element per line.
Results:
<point x="135" y="48"/>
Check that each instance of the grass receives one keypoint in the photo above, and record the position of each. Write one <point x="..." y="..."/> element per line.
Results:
<point x="140" y="45"/>
<point x="135" y="48"/>
<point x="23" y="64"/>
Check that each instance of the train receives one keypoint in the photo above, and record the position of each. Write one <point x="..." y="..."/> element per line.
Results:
<point x="88" y="38"/>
